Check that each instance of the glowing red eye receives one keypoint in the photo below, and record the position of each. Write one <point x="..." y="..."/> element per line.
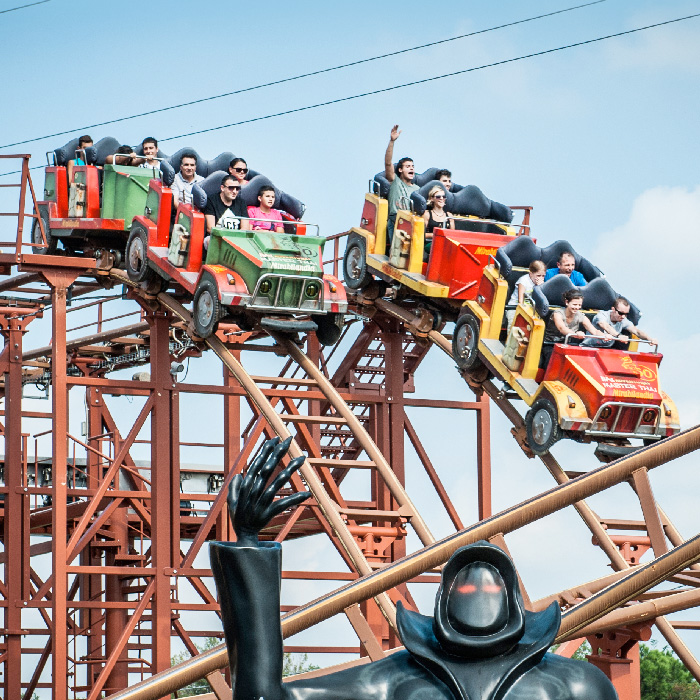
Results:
<point x="467" y="588"/>
<point x="493" y="588"/>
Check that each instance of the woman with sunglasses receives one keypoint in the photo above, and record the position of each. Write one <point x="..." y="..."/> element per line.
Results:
<point x="435" y="216"/>
<point x="239" y="169"/>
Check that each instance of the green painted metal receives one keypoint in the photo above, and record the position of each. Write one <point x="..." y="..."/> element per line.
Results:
<point x="124" y="192"/>
<point x="50" y="187"/>
<point x="254" y="253"/>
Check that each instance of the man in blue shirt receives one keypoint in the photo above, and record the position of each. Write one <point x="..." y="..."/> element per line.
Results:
<point x="565" y="266"/>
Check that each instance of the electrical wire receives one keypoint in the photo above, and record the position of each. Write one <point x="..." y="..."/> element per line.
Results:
<point x="431" y="79"/>
<point x="21" y="7"/>
<point x="303" y="75"/>
<point x="418" y="82"/>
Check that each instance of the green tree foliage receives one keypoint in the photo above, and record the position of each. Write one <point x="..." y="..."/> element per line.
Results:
<point x="293" y="664"/>
<point x="664" y="677"/>
<point x="201" y="686"/>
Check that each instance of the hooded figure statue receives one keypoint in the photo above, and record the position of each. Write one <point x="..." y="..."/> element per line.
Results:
<point x="481" y="643"/>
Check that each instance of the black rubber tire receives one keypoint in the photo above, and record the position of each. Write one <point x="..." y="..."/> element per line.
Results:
<point x="355" y="273"/>
<point x="206" y="308"/>
<point x="37" y="240"/>
<point x="136" y="256"/>
<point x="329" y="329"/>
<point x="542" y="426"/>
<point x="465" y="342"/>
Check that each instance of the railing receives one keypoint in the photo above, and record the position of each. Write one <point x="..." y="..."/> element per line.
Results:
<point x="21" y="214"/>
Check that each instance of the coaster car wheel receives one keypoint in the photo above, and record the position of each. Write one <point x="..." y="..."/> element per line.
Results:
<point x="542" y="426"/>
<point x="37" y="239"/>
<point x="136" y="262"/>
<point x="355" y="264"/>
<point x="206" y="309"/>
<point x="465" y="342"/>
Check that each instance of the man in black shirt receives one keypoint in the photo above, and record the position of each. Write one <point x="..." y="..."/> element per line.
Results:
<point x="226" y="209"/>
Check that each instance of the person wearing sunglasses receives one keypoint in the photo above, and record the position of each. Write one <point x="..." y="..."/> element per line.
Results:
<point x="435" y="216"/>
<point x="616" y="323"/>
<point x="238" y="168"/>
<point x="226" y="209"/>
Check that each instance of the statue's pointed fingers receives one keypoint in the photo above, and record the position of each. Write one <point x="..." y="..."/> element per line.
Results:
<point x="280" y="480"/>
<point x="286" y="503"/>
<point x="274" y="457"/>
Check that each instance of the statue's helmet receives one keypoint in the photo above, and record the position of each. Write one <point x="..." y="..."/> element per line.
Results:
<point x="479" y="608"/>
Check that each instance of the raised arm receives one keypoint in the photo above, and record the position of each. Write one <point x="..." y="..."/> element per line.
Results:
<point x="247" y="575"/>
<point x="389" y="155"/>
<point x="251" y="501"/>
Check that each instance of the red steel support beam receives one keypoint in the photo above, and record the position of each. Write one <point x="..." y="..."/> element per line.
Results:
<point x="165" y="480"/>
<point x="60" y="280"/>
<point x="16" y="506"/>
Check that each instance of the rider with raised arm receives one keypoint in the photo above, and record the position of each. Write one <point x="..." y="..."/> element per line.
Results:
<point x="401" y="179"/>
<point x="481" y="644"/>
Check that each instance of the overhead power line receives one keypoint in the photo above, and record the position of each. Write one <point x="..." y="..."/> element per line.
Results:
<point x="436" y="77"/>
<point x="423" y="80"/>
<point x="302" y="75"/>
<point x="21" y="7"/>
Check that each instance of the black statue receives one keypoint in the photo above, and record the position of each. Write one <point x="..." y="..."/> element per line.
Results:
<point x="480" y="645"/>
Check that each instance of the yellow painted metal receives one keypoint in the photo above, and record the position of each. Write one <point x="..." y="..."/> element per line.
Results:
<point x="382" y="208"/>
<point x="563" y="396"/>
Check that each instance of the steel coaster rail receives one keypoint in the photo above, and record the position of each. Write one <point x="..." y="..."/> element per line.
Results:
<point x="432" y="556"/>
<point x="587" y="514"/>
<point x="326" y="504"/>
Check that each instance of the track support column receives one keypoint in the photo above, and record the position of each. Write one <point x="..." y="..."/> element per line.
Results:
<point x="15" y="535"/>
<point x="165" y="479"/>
<point x="60" y="280"/>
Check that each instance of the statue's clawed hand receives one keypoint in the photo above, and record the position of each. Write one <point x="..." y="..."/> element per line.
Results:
<point x="251" y="501"/>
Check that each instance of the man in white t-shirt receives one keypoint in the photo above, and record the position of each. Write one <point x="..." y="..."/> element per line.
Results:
<point x="616" y="323"/>
<point x="150" y="151"/>
<point x="401" y="179"/>
<point x="182" y="186"/>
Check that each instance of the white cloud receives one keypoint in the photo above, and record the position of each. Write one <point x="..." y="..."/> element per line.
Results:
<point x="653" y="257"/>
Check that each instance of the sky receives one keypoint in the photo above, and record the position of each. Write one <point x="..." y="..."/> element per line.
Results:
<point x="600" y="139"/>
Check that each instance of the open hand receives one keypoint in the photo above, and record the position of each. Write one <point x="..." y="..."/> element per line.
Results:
<point x="395" y="132"/>
<point x="251" y="501"/>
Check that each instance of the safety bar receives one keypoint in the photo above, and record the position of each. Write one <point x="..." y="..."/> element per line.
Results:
<point x="613" y="338"/>
<point x="284" y="222"/>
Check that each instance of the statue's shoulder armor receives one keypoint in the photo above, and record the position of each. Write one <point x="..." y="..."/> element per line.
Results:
<point x="563" y="679"/>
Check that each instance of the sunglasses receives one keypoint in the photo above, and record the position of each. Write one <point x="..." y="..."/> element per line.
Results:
<point x="621" y="313"/>
<point x="438" y="196"/>
<point x="233" y="188"/>
<point x="240" y="170"/>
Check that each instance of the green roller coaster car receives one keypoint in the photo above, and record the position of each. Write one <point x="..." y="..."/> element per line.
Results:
<point x="261" y="279"/>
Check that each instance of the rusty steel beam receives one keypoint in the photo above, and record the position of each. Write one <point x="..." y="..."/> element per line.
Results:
<point x="579" y="621"/>
<point x="399" y="572"/>
<point x="77" y="343"/>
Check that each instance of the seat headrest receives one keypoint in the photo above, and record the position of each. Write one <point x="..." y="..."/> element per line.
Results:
<point x="383" y="183"/>
<point x="66" y="153"/>
<point x="520" y="252"/>
<point x="167" y="174"/>
<point x="418" y="202"/>
<point x="212" y="183"/>
<point x="199" y="197"/>
<point x="555" y="287"/>
<point x="471" y="201"/>
<point x="552" y="252"/>
<point x="541" y="302"/>
<point x="105" y="147"/>
<point x="91" y="155"/>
